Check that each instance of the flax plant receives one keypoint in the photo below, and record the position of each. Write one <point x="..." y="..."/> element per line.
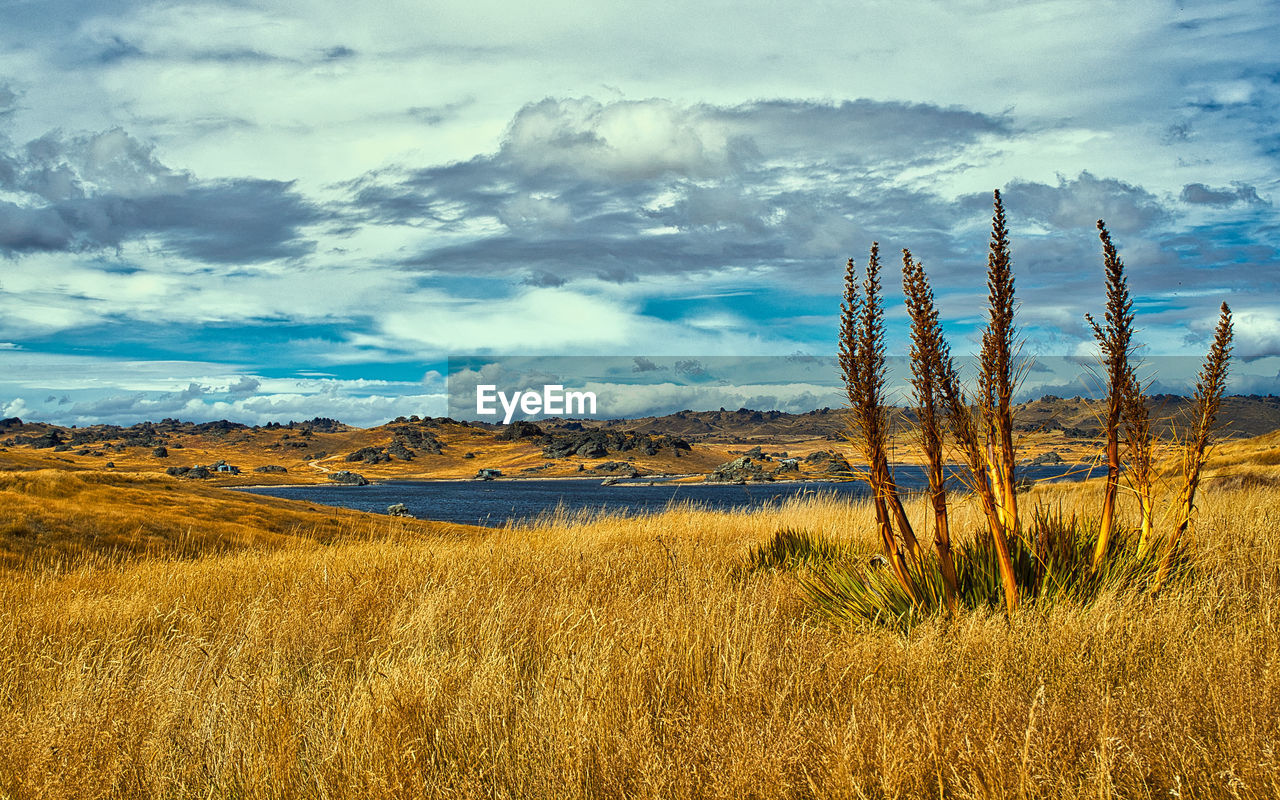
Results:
<point x="1054" y="558"/>
<point x="862" y="365"/>
<point x="1115" y="337"/>
<point x="1210" y="385"/>
<point x="996" y="380"/>
<point x="996" y="377"/>
<point x="931" y="364"/>
<point x="1142" y="470"/>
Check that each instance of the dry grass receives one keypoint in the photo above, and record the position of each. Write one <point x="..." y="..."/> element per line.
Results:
<point x="601" y="657"/>
<point x="53" y="518"/>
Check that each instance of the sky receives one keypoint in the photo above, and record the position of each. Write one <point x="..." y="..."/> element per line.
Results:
<point x="265" y="211"/>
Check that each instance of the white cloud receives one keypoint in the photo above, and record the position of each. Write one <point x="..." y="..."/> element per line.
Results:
<point x="16" y="408"/>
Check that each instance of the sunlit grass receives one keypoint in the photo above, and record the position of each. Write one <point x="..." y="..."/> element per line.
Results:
<point x="611" y="657"/>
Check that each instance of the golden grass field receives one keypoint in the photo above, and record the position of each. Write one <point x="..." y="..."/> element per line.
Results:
<point x="161" y="639"/>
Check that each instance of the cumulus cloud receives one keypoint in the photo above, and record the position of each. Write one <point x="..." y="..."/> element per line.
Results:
<point x="617" y="191"/>
<point x="100" y="190"/>
<point x="1257" y="332"/>
<point x="1077" y="203"/>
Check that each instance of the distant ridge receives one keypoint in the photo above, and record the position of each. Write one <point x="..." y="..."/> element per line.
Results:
<point x="1077" y="417"/>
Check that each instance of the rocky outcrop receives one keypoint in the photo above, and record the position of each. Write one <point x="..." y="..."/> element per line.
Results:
<point x="200" y="472"/>
<point x="1045" y="459"/>
<point x="272" y="468"/>
<point x="739" y="470"/>
<point x="626" y="469"/>
<point x="520" y="429"/>
<point x="829" y="462"/>
<point x="348" y="478"/>
<point x="417" y="438"/>
<point x="599" y="444"/>
<point x="369" y="455"/>
<point x="398" y="450"/>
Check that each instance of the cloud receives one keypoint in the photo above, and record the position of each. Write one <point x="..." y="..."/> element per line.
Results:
<point x="1256" y="332"/>
<point x="1199" y="194"/>
<point x="16" y="408"/>
<point x="617" y="191"/>
<point x="245" y="386"/>
<point x="101" y="190"/>
<point x="8" y="99"/>
<point x="1076" y="204"/>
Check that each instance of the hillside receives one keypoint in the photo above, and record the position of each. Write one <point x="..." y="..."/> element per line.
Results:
<point x="59" y="517"/>
<point x="684" y="443"/>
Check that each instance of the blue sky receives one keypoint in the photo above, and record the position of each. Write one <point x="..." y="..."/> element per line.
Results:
<point x="270" y="210"/>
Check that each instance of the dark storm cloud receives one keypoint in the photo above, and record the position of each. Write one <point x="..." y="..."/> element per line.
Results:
<point x="103" y="189"/>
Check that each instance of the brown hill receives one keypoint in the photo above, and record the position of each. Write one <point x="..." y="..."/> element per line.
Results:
<point x="687" y="442"/>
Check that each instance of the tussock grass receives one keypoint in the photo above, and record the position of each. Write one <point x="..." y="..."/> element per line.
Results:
<point x="625" y="658"/>
<point x="791" y="549"/>
<point x="58" y="519"/>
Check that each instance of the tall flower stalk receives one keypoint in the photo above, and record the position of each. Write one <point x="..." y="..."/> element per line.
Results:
<point x="862" y="364"/>
<point x="931" y="365"/>
<point x="1210" y="385"/>
<point x="1115" y="337"/>
<point x="996" y="382"/>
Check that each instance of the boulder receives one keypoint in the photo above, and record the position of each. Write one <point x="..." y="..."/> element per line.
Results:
<point x="160" y="452"/>
<point x="399" y="510"/>
<point x="270" y="468"/>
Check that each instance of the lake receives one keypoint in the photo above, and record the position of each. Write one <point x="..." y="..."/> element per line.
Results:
<point x="495" y="503"/>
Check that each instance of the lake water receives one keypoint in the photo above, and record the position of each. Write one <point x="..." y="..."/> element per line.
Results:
<point x="494" y="503"/>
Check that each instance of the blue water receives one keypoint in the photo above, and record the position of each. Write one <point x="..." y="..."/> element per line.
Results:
<point x="495" y="503"/>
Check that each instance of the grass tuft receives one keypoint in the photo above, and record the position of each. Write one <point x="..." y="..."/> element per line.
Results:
<point x="1054" y="563"/>
<point x="789" y="549"/>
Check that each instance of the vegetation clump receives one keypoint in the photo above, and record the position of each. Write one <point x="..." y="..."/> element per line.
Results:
<point x="1010" y="560"/>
